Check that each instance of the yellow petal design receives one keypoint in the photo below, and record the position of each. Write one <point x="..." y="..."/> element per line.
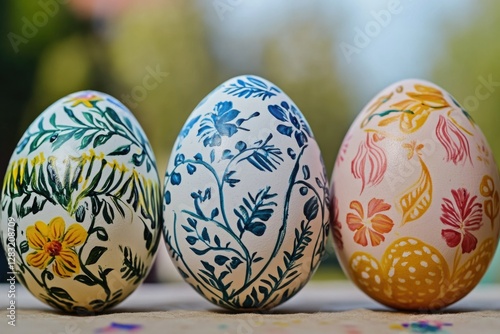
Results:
<point x="75" y="236"/>
<point x="66" y="263"/>
<point x="427" y="89"/>
<point x="38" y="259"/>
<point x="418" y="198"/>
<point x="36" y="240"/>
<point x="56" y="228"/>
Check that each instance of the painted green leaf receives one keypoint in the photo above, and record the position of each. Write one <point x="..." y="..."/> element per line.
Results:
<point x="101" y="139"/>
<point x="61" y="293"/>
<point x="24" y="246"/>
<point x="122" y="150"/>
<point x="95" y="254"/>
<point x="101" y="233"/>
<point x="85" y="280"/>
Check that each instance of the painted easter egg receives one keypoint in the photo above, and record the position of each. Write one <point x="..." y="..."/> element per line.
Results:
<point x="246" y="199"/>
<point x="81" y="204"/>
<point x="415" y="199"/>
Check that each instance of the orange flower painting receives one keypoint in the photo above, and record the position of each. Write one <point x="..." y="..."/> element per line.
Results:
<point x="372" y="227"/>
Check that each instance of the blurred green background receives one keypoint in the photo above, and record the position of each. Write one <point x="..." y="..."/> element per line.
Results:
<point x="330" y="57"/>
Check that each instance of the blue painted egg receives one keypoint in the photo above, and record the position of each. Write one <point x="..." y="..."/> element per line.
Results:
<point x="246" y="197"/>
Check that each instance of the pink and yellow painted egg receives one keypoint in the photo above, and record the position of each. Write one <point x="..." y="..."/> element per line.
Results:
<point x="415" y="199"/>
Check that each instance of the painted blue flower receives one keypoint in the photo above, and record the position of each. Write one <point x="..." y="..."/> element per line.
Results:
<point x="218" y="124"/>
<point x="298" y="128"/>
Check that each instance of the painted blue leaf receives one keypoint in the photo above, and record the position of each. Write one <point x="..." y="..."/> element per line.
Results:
<point x="221" y="259"/>
<point x="295" y="122"/>
<point x="198" y="157"/>
<point x="306" y="172"/>
<point x="285" y="105"/>
<point x="291" y="153"/>
<point x="215" y="213"/>
<point x="300" y="138"/>
<point x="285" y="130"/>
<point x="227" y="154"/>
<point x="191" y="169"/>
<point x="175" y="179"/>
<point x="258" y="259"/>
<point x="232" y="182"/>
<point x="212" y="155"/>
<point x="311" y="208"/>
<point x="208" y="266"/>
<point x="191" y="240"/>
<point x="179" y="158"/>
<point x="240" y="146"/>
<point x="217" y="241"/>
<point x="256" y="228"/>
<point x="277" y="112"/>
<point x="263" y="290"/>
<point x="256" y="82"/>
<point x="204" y="235"/>
<point x="199" y="251"/>
<point x="248" y="302"/>
<point x="192" y="222"/>
<point x="187" y="228"/>
<point x="235" y="262"/>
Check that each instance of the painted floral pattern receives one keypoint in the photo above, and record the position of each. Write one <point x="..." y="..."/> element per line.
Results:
<point x="87" y="159"/>
<point x="464" y="215"/>
<point x="453" y="140"/>
<point x="294" y="126"/>
<point x="370" y="163"/>
<point x="52" y="243"/>
<point x="372" y="227"/>
<point x="237" y="175"/>
<point x="421" y="187"/>
<point x="220" y="124"/>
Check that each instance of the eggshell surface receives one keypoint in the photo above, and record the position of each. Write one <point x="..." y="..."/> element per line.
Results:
<point x="81" y="204"/>
<point x="415" y="199"/>
<point x="246" y="199"/>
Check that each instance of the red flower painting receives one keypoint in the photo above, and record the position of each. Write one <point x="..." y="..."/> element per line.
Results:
<point x="464" y="215"/>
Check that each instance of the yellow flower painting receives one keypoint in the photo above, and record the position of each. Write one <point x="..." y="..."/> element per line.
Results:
<point x="55" y="245"/>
